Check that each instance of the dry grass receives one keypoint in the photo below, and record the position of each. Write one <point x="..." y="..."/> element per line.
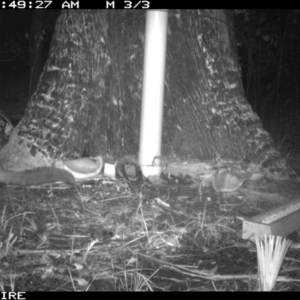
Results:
<point x="100" y="236"/>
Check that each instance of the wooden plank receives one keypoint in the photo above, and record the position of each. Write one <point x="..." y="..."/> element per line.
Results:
<point x="252" y="229"/>
<point x="289" y="222"/>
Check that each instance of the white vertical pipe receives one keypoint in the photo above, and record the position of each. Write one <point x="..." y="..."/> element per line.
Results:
<point x="153" y="86"/>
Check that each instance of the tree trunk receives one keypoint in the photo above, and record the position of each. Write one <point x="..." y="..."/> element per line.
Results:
<point x="89" y="95"/>
<point x="37" y="36"/>
<point x="60" y="113"/>
<point x="40" y="29"/>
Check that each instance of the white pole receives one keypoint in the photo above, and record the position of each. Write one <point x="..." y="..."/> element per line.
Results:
<point x="153" y="86"/>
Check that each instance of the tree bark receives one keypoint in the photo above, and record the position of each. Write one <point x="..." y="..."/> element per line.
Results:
<point x="89" y="95"/>
<point x="40" y="31"/>
<point x="59" y="114"/>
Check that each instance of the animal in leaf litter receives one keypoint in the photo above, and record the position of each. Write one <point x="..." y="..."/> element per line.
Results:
<point x="128" y="169"/>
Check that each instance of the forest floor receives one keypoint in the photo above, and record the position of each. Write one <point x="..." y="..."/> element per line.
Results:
<point x="99" y="235"/>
